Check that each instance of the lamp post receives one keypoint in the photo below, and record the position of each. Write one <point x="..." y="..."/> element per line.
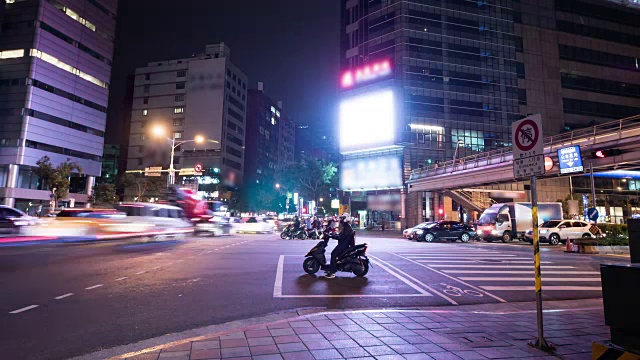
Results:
<point x="159" y="131"/>
<point x="455" y="154"/>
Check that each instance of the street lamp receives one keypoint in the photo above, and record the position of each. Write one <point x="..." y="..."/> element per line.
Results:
<point x="277" y="186"/>
<point x="321" y="199"/>
<point x="455" y="154"/>
<point x="160" y="132"/>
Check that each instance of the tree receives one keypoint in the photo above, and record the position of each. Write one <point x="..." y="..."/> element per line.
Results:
<point x="142" y="184"/>
<point x="310" y="177"/>
<point x="57" y="178"/>
<point x="104" y="194"/>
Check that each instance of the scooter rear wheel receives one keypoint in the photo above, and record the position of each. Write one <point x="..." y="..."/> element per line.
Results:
<point x="360" y="269"/>
<point x="284" y="235"/>
<point x="311" y="265"/>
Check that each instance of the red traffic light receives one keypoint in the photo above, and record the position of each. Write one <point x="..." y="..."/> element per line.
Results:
<point x="600" y="154"/>
<point x="607" y="153"/>
<point x="440" y="211"/>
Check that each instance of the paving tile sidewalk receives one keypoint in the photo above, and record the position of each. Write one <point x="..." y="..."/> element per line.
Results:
<point x="410" y="334"/>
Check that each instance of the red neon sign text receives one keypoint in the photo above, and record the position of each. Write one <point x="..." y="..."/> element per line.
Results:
<point x="365" y="73"/>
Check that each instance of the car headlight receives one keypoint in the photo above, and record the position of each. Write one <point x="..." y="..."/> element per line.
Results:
<point x="495" y="232"/>
<point x="419" y="231"/>
<point x="479" y="231"/>
<point x="544" y="231"/>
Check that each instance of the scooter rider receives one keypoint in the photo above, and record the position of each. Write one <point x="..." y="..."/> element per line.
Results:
<point x="345" y="239"/>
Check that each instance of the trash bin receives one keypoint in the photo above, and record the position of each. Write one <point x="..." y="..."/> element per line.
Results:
<point x="621" y="299"/>
<point x="633" y="227"/>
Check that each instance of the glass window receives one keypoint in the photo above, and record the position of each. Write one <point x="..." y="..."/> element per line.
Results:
<point x="179" y="98"/>
<point x="145" y="112"/>
<point x="177" y="122"/>
<point x="177" y="135"/>
<point x="145" y="100"/>
<point x="182" y="73"/>
<point x="178" y="110"/>
<point x="180" y="86"/>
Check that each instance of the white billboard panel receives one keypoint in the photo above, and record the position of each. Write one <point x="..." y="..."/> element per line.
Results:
<point x="367" y="121"/>
<point x="371" y="173"/>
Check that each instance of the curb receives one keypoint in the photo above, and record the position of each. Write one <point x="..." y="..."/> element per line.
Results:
<point x="169" y="340"/>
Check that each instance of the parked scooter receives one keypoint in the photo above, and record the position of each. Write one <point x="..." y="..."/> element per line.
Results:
<point x="289" y="233"/>
<point x="353" y="260"/>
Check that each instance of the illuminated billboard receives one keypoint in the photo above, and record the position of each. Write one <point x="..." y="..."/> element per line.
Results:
<point x="383" y="172"/>
<point x="367" y="121"/>
<point x="365" y="73"/>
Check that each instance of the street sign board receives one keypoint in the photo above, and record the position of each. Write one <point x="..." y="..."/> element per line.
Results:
<point x="593" y="214"/>
<point x="153" y="171"/>
<point x="189" y="172"/>
<point x="570" y="160"/>
<point x="526" y="135"/>
<point x="529" y="166"/>
<point x="335" y="203"/>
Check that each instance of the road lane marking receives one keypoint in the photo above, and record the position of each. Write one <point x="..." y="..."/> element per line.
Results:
<point x="441" y="256"/>
<point x="545" y="288"/>
<point x="480" y="262"/>
<point x="63" y="296"/>
<point x="23" y="309"/>
<point x="517" y="272"/>
<point x="505" y="266"/>
<point x="451" y="277"/>
<point x="141" y="272"/>
<point x="122" y="278"/>
<point x="93" y="287"/>
<point x="277" y="287"/>
<point x="544" y="279"/>
<point x="378" y="261"/>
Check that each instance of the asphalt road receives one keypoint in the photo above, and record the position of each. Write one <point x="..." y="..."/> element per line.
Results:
<point x="59" y="301"/>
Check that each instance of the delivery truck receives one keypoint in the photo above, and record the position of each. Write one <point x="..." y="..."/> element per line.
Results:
<point x="508" y="221"/>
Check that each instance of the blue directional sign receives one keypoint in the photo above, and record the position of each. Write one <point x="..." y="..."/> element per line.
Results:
<point x="570" y="160"/>
<point x="593" y="214"/>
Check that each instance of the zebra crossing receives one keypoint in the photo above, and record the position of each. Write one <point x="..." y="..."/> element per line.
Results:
<point x="493" y="270"/>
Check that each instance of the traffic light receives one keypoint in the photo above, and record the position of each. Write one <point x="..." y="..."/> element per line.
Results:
<point x="606" y="153"/>
<point x="440" y="211"/>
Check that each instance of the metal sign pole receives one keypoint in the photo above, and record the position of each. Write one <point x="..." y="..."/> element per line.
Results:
<point x="540" y="342"/>
<point x="593" y="187"/>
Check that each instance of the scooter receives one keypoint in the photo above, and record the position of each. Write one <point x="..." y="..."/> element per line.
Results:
<point x="353" y="260"/>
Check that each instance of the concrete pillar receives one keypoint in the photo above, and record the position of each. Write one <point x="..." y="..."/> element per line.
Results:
<point x="90" y="183"/>
<point x="12" y="182"/>
<point x="435" y="196"/>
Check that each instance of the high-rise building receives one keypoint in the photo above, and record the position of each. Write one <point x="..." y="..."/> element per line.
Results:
<point x="55" y="68"/>
<point x="286" y="154"/>
<point x="262" y="152"/>
<point x="443" y="79"/>
<point x="110" y="160"/>
<point x="204" y="95"/>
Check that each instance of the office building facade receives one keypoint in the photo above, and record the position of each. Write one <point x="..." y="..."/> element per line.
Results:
<point x="204" y="95"/>
<point x="460" y="72"/>
<point x="55" y="69"/>
<point x="262" y="153"/>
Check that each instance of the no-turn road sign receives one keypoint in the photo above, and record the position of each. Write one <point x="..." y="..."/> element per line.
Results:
<point x="526" y="136"/>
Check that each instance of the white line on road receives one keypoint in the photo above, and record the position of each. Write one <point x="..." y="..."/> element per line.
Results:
<point x="277" y="287"/>
<point x="378" y="261"/>
<point x="63" y="296"/>
<point x="544" y="279"/>
<point x="122" y="278"/>
<point x="141" y="272"/>
<point x="481" y="262"/>
<point x="544" y="288"/>
<point x="459" y="256"/>
<point x="23" y="309"/>
<point x="517" y="272"/>
<point x="403" y="279"/>
<point x="505" y="266"/>
<point x="451" y="277"/>
<point x="93" y="287"/>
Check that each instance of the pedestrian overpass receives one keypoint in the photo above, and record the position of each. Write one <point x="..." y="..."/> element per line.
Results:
<point x="496" y="167"/>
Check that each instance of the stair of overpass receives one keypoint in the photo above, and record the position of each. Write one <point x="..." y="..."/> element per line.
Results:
<point x="471" y="200"/>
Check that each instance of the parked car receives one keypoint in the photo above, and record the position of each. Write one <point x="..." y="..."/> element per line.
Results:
<point x="448" y="230"/>
<point x="558" y="231"/>
<point x="12" y="220"/>
<point x="409" y="233"/>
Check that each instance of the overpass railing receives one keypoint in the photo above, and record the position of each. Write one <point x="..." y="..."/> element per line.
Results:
<point x="605" y="132"/>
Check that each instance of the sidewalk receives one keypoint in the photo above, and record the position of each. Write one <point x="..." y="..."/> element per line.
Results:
<point x="489" y="331"/>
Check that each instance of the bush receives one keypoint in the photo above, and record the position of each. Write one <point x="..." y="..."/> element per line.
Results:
<point x="613" y="235"/>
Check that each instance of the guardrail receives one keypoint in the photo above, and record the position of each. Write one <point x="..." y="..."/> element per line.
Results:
<point x="505" y="154"/>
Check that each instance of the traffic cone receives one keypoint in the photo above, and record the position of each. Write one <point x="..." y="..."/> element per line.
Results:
<point x="569" y="248"/>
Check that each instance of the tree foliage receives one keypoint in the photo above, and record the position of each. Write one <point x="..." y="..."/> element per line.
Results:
<point x="310" y="177"/>
<point x="57" y="177"/>
<point x="104" y="194"/>
<point x="141" y="184"/>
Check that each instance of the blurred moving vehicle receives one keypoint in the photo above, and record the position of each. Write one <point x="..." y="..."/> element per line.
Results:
<point x="213" y="225"/>
<point x="558" y="231"/>
<point x="510" y="221"/>
<point x="410" y="232"/>
<point x="13" y="220"/>
<point x="255" y="224"/>
<point x="448" y="230"/>
<point x="158" y="220"/>
<point x="76" y="222"/>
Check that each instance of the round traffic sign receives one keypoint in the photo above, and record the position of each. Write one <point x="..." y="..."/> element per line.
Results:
<point x="548" y="163"/>
<point x="593" y="214"/>
<point x="197" y="167"/>
<point x="527" y="134"/>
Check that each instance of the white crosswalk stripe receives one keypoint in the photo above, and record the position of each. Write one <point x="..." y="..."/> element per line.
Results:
<point x="493" y="270"/>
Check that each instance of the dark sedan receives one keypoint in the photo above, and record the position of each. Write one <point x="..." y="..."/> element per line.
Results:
<point x="447" y="230"/>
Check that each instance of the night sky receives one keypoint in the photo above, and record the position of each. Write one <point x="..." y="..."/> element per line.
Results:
<point x="290" y="45"/>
